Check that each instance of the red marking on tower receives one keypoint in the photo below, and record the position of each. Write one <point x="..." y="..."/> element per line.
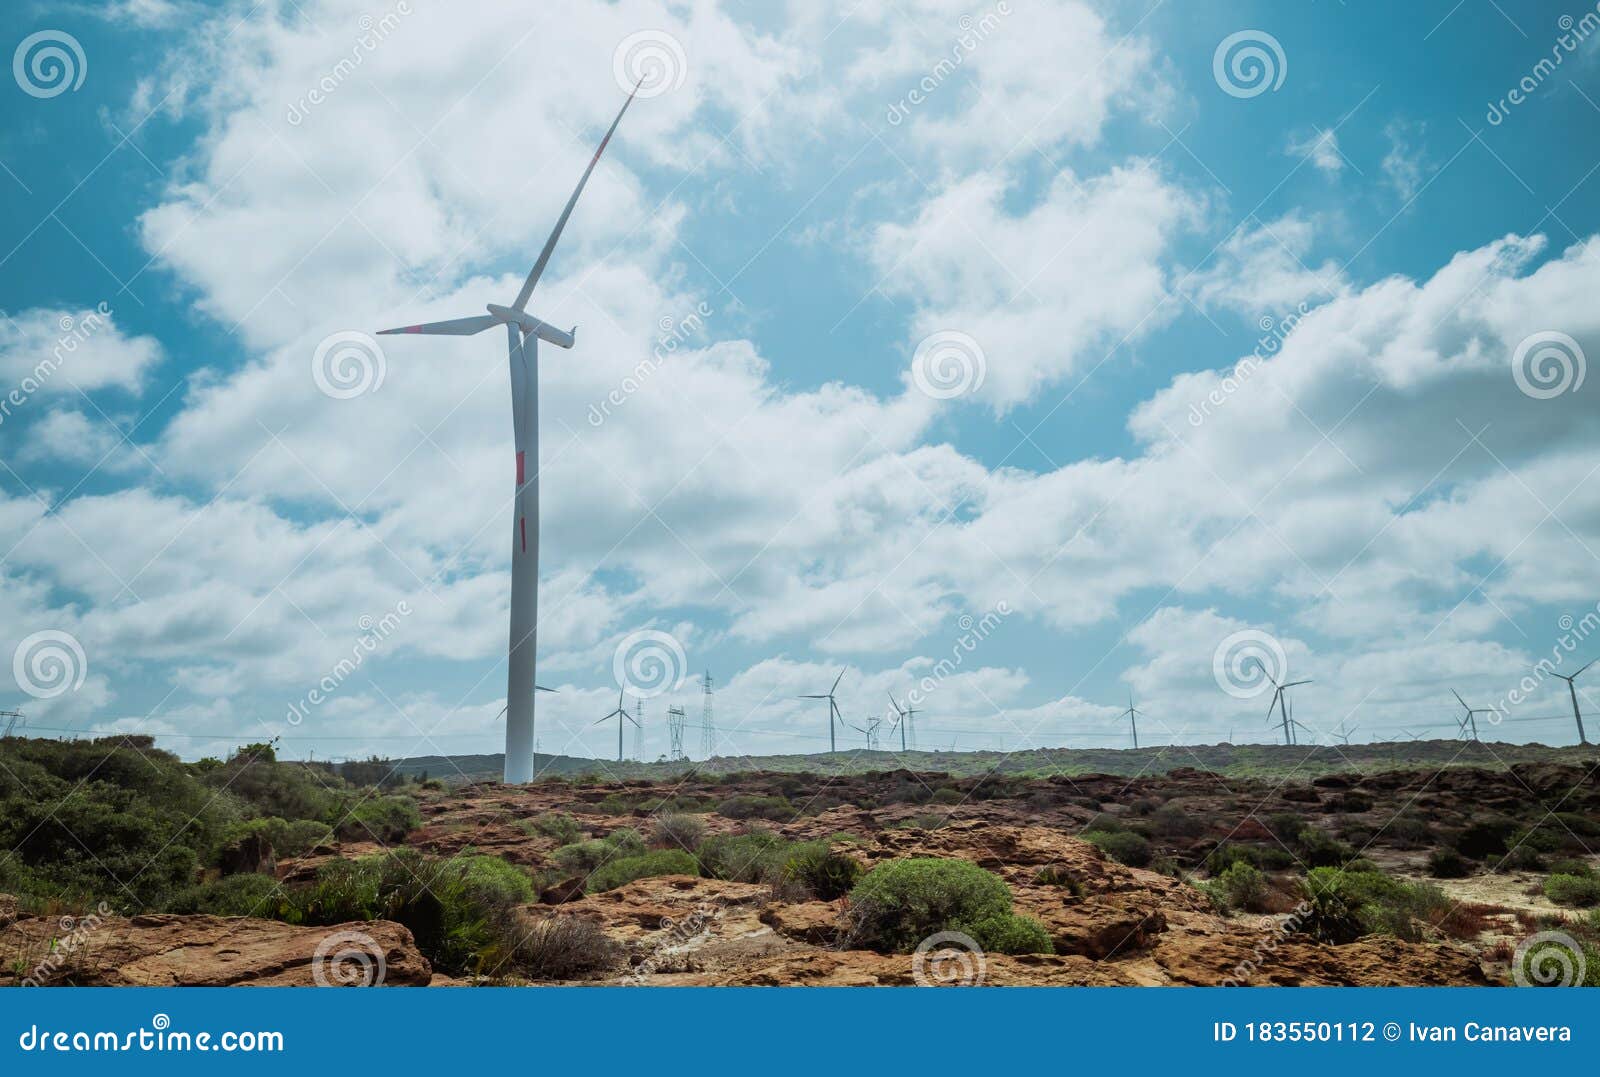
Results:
<point x="520" y="473"/>
<point x="522" y="526"/>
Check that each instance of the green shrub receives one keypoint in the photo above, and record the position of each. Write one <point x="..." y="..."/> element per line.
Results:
<point x="899" y="903"/>
<point x="1570" y="866"/>
<point x="756" y="857"/>
<point x="1320" y="849"/>
<point x="826" y="874"/>
<point x="564" y="947"/>
<point x="946" y="796"/>
<point x="1172" y="820"/>
<point x="1574" y="891"/>
<point x="626" y="840"/>
<point x="1055" y="875"/>
<point x="1448" y="864"/>
<point x="775" y="809"/>
<point x="1243" y="887"/>
<point x="1012" y="934"/>
<point x="584" y="857"/>
<point x="563" y="828"/>
<point x="678" y="831"/>
<point x="1484" y="838"/>
<point x="234" y="895"/>
<point x="288" y="839"/>
<point x="1346" y="905"/>
<point x="644" y="866"/>
<point x="1123" y="846"/>
<point x="495" y="882"/>
<point x="384" y="819"/>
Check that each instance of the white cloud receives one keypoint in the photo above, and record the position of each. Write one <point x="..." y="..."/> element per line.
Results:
<point x="1321" y="148"/>
<point x="1264" y="270"/>
<point x="49" y="351"/>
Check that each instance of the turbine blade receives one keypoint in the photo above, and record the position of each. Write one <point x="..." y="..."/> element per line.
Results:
<point x="811" y="697"/>
<point x="1458" y="698"/>
<point x="837" y="679"/>
<point x="550" y="244"/>
<point x="542" y="688"/>
<point x="456" y="327"/>
<point x="1585" y="666"/>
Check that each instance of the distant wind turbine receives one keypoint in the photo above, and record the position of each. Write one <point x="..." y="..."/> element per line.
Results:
<point x="834" y="713"/>
<point x="1572" y="689"/>
<point x="523" y="333"/>
<point x="1343" y="734"/>
<point x="1278" y="691"/>
<point x="619" y="714"/>
<point x="1470" y="719"/>
<point x="1132" y="716"/>
<point x="902" y="720"/>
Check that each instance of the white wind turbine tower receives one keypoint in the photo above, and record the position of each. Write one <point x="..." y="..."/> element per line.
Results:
<point x="523" y="333"/>
<point x="1572" y="689"/>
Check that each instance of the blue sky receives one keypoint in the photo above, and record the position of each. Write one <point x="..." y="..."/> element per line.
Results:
<point x="1079" y="201"/>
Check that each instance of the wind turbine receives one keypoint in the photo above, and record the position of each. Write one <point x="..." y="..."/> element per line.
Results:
<point x="17" y="717"/>
<point x="1343" y="734"/>
<point x="833" y="709"/>
<point x="523" y="333"/>
<point x="1413" y="736"/>
<point x="1278" y="696"/>
<point x="1572" y="689"/>
<point x="1471" y="717"/>
<point x="536" y="688"/>
<point x="902" y="720"/>
<point x="1133" y="719"/>
<point x="619" y="714"/>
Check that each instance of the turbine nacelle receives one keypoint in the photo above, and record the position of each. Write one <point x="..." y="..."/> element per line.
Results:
<point x="529" y="324"/>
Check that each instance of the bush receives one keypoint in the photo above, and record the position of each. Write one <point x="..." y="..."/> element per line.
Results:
<point x="826" y="874"/>
<point x="1243" y="887"/>
<point x="1346" y="905"/>
<point x="383" y="819"/>
<point x="901" y="902"/>
<point x="1448" y="864"/>
<point x="585" y="857"/>
<point x="563" y="828"/>
<point x="1574" y="891"/>
<point x="235" y="895"/>
<point x="563" y="948"/>
<point x="1320" y="849"/>
<point x="287" y="839"/>
<point x="1173" y="821"/>
<point x="756" y="857"/>
<point x="1123" y="846"/>
<point x="775" y="809"/>
<point x="1012" y="934"/>
<point x="1484" y="838"/>
<point x="946" y="795"/>
<point x="646" y="865"/>
<point x="678" y="832"/>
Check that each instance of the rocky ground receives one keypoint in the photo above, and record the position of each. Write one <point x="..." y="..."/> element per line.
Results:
<point x="1110" y="924"/>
